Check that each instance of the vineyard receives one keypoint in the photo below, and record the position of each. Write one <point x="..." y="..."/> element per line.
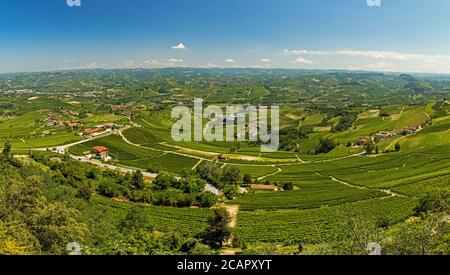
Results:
<point x="310" y="195"/>
<point x="118" y="148"/>
<point x="317" y="225"/>
<point x="107" y="211"/>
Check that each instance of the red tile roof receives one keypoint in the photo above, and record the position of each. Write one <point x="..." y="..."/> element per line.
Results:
<point x="100" y="149"/>
<point x="91" y="131"/>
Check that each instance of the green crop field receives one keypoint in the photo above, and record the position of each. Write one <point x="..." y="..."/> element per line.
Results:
<point x="165" y="162"/>
<point x="141" y="136"/>
<point x="317" y="193"/>
<point x="254" y="171"/>
<point x="332" y="164"/>
<point x="191" y="220"/>
<point x="118" y="148"/>
<point x="316" y="225"/>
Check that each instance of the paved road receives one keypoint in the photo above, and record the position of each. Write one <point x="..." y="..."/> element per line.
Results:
<point x="62" y="149"/>
<point x="113" y="167"/>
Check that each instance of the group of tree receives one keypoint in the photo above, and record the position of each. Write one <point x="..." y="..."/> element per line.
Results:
<point x="226" y="179"/>
<point x="326" y="145"/>
<point x="45" y="206"/>
<point x="165" y="190"/>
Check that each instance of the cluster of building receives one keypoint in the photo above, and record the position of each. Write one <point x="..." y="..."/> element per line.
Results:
<point x="389" y="134"/>
<point x="54" y="120"/>
<point x="126" y="108"/>
<point x="100" y="152"/>
<point x="98" y="130"/>
<point x="399" y="132"/>
<point x="71" y="113"/>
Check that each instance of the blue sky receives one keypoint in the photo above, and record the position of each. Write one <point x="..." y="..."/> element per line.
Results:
<point x="399" y="35"/>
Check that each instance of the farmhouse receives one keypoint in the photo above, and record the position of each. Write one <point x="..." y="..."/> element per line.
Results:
<point x="72" y="124"/>
<point x="407" y="130"/>
<point x="363" y="140"/>
<point x="110" y="125"/>
<point x="91" y="132"/>
<point x="223" y="157"/>
<point x="71" y="113"/>
<point x="101" y="152"/>
<point x="261" y="187"/>
<point x="384" y="135"/>
<point x="53" y="122"/>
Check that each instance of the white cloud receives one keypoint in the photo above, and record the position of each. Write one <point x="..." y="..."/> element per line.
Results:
<point x="265" y="60"/>
<point x="377" y="60"/>
<point x="229" y="60"/>
<point x="382" y="66"/>
<point x="303" y="52"/>
<point x="209" y="65"/>
<point x="370" y="54"/>
<point x="301" y="60"/>
<point x="152" y="62"/>
<point x="175" y="60"/>
<point x="93" y="65"/>
<point x="180" y="46"/>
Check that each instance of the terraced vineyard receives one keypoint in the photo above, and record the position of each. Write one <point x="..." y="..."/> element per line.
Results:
<point x="118" y="149"/>
<point x="385" y="147"/>
<point x="315" y="194"/>
<point x="317" y="225"/>
<point x="190" y="220"/>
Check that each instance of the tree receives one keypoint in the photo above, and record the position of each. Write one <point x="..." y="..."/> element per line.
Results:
<point x="370" y="147"/>
<point x="108" y="188"/>
<point x="211" y="173"/>
<point x="206" y="199"/>
<point x="164" y="181"/>
<point x="137" y="180"/>
<point x="21" y="198"/>
<point x="15" y="239"/>
<point x="7" y="149"/>
<point x="136" y="219"/>
<point x="56" y="225"/>
<point x="420" y="237"/>
<point x="247" y="179"/>
<point x="218" y="229"/>
<point x="288" y="186"/>
<point x="231" y="191"/>
<point x="434" y="201"/>
<point x="397" y="147"/>
<point x="192" y="184"/>
<point x="326" y="145"/>
<point x="85" y="191"/>
<point x="230" y="175"/>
